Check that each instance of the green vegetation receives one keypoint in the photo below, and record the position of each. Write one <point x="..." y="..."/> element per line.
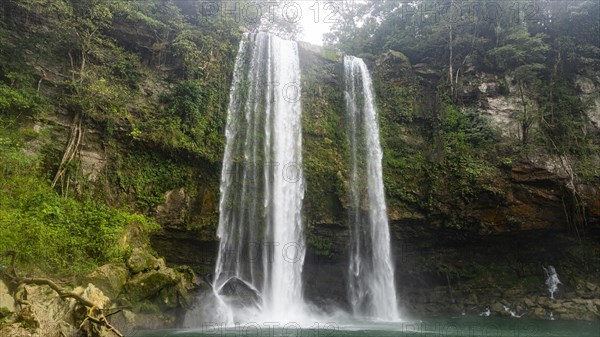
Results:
<point x="152" y="77"/>
<point x="521" y="56"/>
<point x="16" y="102"/>
<point x="324" y="141"/>
<point x="49" y="232"/>
<point x="319" y="245"/>
<point x="466" y="136"/>
<point x="4" y="312"/>
<point x="147" y="177"/>
<point x="563" y="126"/>
<point x="146" y="83"/>
<point x="439" y="152"/>
<point x="160" y="69"/>
<point x="195" y="111"/>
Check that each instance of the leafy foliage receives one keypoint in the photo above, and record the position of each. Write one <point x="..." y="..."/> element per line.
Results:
<point x="14" y="101"/>
<point x="465" y="135"/>
<point x="152" y="76"/>
<point x="49" y="232"/>
<point x="118" y="61"/>
<point x="437" y="146"/>
<point x="148" y="177"/>
<point x="321" y="246"/>
<point x="195" y="108"/>
<point x="564" y="125"/>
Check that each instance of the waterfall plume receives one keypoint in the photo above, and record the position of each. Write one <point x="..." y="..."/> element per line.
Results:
<point x="261" y="249"/>
<point x="371" y="288"/>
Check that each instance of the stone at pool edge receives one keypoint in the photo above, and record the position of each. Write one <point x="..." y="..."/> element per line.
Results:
<point x="146" y="285"/>
<point x="145" y="277"/>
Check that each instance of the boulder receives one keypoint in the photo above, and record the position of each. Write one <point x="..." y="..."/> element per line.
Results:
<point x="6" y="300"/>
<point x="49" y="315"/>
<point x="240" y="294"/>
<point x="110" y="278"/>
<point x="141" y="261"/>
<point x="46" y="309"/>
<point x="188" y="285"/>
<point x="147" y="285"/>
<point x="539" y="312"/>
<point x="498" y="308"/>
<point x="168" y="297"/>
<point x="173" y="212"/>
<point x="555" y="305"/>
<point x="94" y="295"/>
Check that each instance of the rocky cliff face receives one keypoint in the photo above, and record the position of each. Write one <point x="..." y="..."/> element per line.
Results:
<point x="454" y="254"/>
<point x="453" y="251"/>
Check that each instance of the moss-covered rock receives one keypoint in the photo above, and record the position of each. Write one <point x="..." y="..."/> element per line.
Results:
<point x="110" y="278"/>
<point x="168" y="298"/>
<point x="188" y="286"/>
<point x="323" y="135"/>
<point x="141" y="260"/>
<point x="149" y="284"/>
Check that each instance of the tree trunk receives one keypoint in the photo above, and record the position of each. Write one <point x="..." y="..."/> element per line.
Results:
<point x="450" y="68"/>
<point x="526" y="122"/>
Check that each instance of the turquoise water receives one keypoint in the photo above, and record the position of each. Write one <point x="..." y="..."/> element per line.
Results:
<point x="431" y="327"/>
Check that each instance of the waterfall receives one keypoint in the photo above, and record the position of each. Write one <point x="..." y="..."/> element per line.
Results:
<point x="371" y="289"/>
<point x="261" y="248"/>
<point x="552" y="280"/>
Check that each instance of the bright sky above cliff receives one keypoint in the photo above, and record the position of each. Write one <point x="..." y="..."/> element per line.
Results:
<point x="316" y="20"/>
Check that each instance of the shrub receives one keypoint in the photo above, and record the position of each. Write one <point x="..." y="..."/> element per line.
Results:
<point x="49" y="232"/>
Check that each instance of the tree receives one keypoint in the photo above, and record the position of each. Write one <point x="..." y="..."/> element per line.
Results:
<point x="522" y="56"/>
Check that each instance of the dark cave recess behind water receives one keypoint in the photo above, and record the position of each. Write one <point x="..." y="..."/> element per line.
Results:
<point x="478" y="271"/>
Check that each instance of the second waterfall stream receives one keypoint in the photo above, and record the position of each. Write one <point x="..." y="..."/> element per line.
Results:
<point x="371" y="289"/>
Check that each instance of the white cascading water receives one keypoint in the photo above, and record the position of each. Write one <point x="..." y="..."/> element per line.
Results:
<point x="262" y="187"/>
<point x="552" y="280"/>
<point x="371" y="288"/>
